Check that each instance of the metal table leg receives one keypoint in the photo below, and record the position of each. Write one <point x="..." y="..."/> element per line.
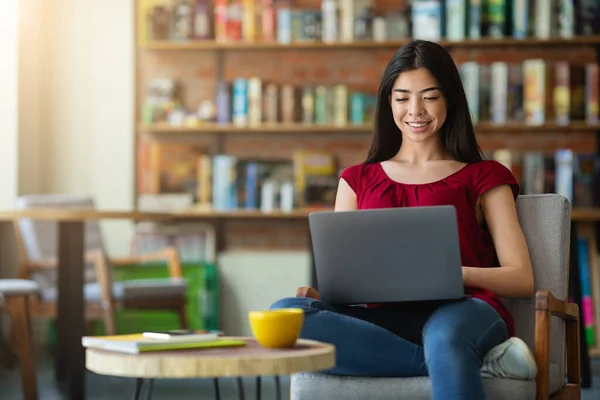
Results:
<point x="217" y="391"/>
<point x="277" y="388"/>
<point x="240" y="388"/>
<point x="139" y="382"/>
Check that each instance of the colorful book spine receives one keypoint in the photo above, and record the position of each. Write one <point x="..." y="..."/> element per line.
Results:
<point x="223" y="184"/>
<point x="251" y="186"/>
<point x="271" y="102"/>
<point x="297" y="28"/>
<point x="223" y="103"/>
<point x="587" y="301"/>
<point x="566" y="18"/>
<point x="221" y="16"/>
<point x="240" y="101"/>
<point x="428" y="19"/>
<point x="288" y="104"/>
<point x="254" y="101"/>
<point x="562" y="95"/>
<point x="456" y="19"/>
<point x="268" y="21"/>
<point x="347" y="18"/>
<point x="340" y="105"/>
<point x="496" y="18"/>
<point x="545" y="19"/>
<point x="534" y="91"/>
<point x="308" y="106"/>
<point x="249" y="20"/>
<point x="592" y="97"/>
<point x="474" y="21"/>
<point x="330" y="31"/>
<point x="470" y="73"/>
<point x="499" y="95"/>
<point x="357" y="109"/>
<point x="564" y="173"/>
<point x="520" y="18"/>
<point x="284" y="25"/>
<point x="321" y="105"/>
<point x="235" y="15"/>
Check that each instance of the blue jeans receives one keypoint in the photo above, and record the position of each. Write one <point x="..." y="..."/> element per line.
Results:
<point x="456" y="335"/>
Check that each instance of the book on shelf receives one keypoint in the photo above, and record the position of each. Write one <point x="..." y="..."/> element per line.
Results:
<point x="137" y="343"/>
<point x="573" y="175"/>
<point x="347" y="21"/>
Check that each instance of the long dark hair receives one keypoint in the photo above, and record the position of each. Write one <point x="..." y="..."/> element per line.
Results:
<point x="457" y="133"/>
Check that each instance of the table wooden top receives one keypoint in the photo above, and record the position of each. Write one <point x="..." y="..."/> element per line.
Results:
<point x="64" y="214"/>
<point x="578" y="214"/>
<point x="249" y="360"/>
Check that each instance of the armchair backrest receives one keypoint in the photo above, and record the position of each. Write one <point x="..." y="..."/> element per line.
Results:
<point x="39" y="237"/>
<point x="546" y="223"/>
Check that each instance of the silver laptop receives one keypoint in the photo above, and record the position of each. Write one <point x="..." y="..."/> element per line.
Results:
<point x="387" y="255"/>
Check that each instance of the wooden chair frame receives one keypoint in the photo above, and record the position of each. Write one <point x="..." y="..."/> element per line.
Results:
<point x="103" y="265"/>
<point x="546" y="306"/>
<point x="18" y="306"/>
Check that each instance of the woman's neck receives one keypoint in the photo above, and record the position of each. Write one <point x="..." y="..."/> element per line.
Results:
<point x="419" y="153"/>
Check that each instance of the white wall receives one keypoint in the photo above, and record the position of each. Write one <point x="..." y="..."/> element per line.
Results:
<point x="76" y="110"/>
<point x="73" y="133"/>
<point x="8" y="102"/>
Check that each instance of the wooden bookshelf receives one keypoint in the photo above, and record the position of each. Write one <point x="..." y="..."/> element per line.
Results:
<point x="208" y="128"/>
<point x="316" y="45"/>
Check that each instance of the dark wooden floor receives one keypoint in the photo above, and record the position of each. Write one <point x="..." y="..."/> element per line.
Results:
<point x="102" y="387"/>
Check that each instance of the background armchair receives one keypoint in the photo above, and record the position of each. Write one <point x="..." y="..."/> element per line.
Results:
<point x="548" y="324"/>
<point x="37" y="246"/>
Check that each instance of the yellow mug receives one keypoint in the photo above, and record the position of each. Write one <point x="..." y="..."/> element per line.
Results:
<point x="277" y="328"/>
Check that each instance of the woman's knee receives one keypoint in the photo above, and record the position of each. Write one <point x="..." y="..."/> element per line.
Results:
<point x="292" y="302"/>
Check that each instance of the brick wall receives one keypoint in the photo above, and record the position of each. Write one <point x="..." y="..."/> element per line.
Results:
<point x="359" y="69"/>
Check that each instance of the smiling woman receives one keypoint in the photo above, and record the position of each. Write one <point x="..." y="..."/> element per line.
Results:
<point x="424" y="153"/>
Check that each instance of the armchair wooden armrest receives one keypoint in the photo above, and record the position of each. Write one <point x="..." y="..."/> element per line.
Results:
<point x="90" y="256"/>
<point x="546" y="305"/>
<point x="168" y="254"/>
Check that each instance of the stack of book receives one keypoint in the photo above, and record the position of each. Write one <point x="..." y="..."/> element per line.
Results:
<point x="153" y="341"/>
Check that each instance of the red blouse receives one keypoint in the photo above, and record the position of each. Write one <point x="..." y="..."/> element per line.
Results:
<point x="374" y="189"/>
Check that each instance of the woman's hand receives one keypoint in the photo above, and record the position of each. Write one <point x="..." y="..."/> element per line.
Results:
<point x="305" y="291"/>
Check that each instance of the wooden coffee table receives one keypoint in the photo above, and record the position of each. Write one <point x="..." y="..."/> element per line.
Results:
<point x="249" y="360"/>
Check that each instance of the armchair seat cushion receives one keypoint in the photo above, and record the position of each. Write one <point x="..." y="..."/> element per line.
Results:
<point x="18" y="287"/>
<point x="307" y="386"/>
<point x="130" y="290"/>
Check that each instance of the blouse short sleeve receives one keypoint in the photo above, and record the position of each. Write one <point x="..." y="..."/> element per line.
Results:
<point x="491" y="174"/>
<point x="352" y="176"/>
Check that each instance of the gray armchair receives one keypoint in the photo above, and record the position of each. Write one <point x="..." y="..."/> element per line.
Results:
<point x="548" y="324"/>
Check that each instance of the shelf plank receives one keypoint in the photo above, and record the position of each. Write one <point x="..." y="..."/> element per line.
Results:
<point x="585" y="214"/>
<point x="208" y="128"/>
<point x="316" y="45"/>
<point x="270" y="128"/>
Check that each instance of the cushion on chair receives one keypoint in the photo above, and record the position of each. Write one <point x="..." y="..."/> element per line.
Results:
<point x="153" y="288"/>
<point x="130" y="290"/>
<point x="309" y="386"/>
<point x="18" y="287"/>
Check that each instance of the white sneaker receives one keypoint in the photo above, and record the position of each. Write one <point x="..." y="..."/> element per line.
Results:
<point x="512" y="359"/>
